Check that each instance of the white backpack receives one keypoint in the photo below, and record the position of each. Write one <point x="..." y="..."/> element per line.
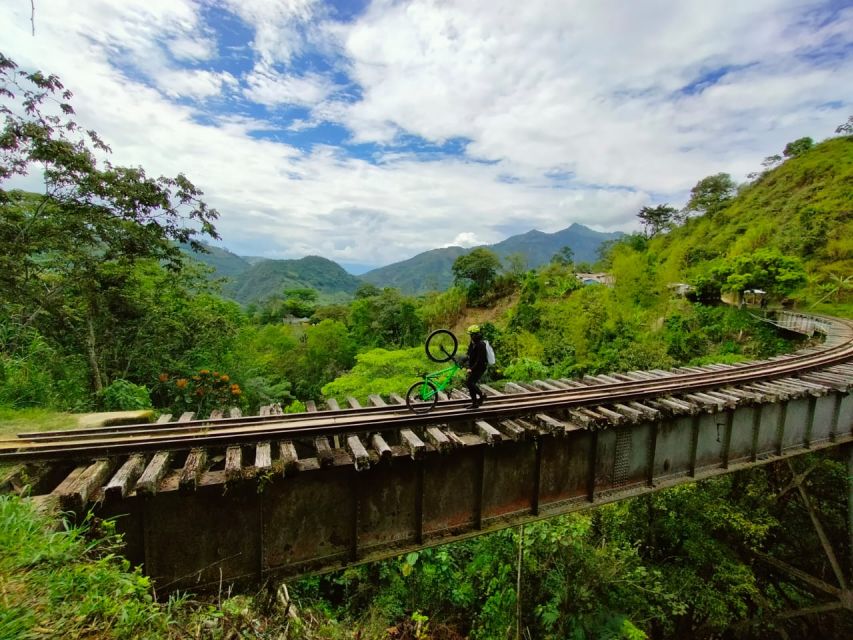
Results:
<point x="490" y="353"/>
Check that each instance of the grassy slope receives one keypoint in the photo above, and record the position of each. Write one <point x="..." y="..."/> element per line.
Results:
<point x="803" y="208"/>
<point x="55" y="584"/>
<point x="14" y="421"/>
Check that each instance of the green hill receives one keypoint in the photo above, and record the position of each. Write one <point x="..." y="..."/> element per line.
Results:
<point x="427" y="271"/>
<point x="225" y="264"/>
<point x="431" y="270"/>
<point x="270" y="277"/>
<point x="803" y="208"/>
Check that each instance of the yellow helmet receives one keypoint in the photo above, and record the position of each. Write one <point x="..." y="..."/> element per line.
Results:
<point x="474" y="328"/>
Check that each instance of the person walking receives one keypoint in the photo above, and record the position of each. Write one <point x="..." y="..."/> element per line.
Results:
<point x="477" y="363"/>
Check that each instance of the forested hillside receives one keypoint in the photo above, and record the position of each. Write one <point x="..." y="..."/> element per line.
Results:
<point x="224" y="263"/>
<point x="803" y="208"/>
<point x="270" y="277"/>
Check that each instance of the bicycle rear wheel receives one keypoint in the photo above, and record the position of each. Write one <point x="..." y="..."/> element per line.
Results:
<point x="422" y="396"/>
<point x="441" y="345"/>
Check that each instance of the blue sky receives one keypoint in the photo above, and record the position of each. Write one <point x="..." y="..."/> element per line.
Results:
<point x="367" y="132"/>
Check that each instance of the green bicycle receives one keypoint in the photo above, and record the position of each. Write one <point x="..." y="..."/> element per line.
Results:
<point x="441" y="346"/>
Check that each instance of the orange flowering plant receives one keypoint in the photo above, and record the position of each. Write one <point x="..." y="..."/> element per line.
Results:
<point x="201" y="392"/>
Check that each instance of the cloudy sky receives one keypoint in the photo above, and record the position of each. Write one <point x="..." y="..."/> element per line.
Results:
<point x="367" y="132"/>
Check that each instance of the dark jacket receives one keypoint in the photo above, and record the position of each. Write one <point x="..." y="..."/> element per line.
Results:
<point x="477" y="361"/>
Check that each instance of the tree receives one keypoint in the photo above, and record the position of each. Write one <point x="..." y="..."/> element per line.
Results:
<point x="765" y="269"/>
<point x="565" y="257"/>
<point x="798" y="147"/>
<point x="367" y="290"/>
<point x="771" y="162"/>
<point x="327" y="352"/>
<point x="479" y="267"/>
<point x="384" y="320"/>
<point x="657" y="219"/>
<point x="299" y="303"/>
<point x="516" y="265"/>
<point x="712" y="194"/>
<point x="68" y="252"/>
<point x="845" y="128"/>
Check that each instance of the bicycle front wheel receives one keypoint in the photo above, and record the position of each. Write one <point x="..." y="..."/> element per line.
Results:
<point x="422" y="396"/>
<point x="441" y="345"/>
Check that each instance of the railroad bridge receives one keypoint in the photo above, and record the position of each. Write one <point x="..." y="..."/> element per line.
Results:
<point x="243" y="498"/>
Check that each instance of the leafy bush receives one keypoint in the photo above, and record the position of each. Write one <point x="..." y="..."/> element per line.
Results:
<point x="200" y="393"/>
<point x="524" y="369"/>
<point x="122" y="395"/>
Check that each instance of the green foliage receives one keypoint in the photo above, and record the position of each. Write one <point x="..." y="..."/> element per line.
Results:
<point x="798" y="147"/>
<point x="765" y="269"/>
<point x="200" y="393"/>
<point x="61" y="585"/>
<point x="299" y="303"/>
<point x="69" y="255"/>
<point x="380" y="371"/>
<point x="565" y="256"/>
<point x="387" y="319"/>
<point x="443" y="309"/>
<point x="122" y="395"/>
<point x="268" y="278"/>
<point x="479" y="268"/>
<point x="35" y="373"/>
<point x="325" y="354"/>
<point x="712" y="194"/>
<point x="657" y="219"/>
<point x="801" y="208"/>
<point x="525" y="369"/>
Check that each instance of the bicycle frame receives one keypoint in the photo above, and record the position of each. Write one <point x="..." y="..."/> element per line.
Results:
<point x="441" y="379"/>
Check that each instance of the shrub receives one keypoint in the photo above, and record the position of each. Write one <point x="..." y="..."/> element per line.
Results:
<point x="122" y="395"/>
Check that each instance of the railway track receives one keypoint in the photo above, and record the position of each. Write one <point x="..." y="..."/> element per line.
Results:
<point x="595" y="402"/>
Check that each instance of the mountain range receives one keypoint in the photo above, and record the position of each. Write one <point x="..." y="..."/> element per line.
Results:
<point x="431" y="270"/>
<point x="251" y="279"/>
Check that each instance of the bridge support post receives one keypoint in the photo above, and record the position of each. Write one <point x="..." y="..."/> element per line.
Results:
<point x="849" y="451"/>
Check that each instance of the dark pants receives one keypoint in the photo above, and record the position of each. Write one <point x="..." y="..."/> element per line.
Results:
<point x="477" y="395"/>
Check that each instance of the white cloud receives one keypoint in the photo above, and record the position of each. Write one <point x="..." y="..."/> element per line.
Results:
<point x="193" y="83"/>
<point x="281" y="26"/>
<point x="575" y="105"/>
<point x="589" y="87"/>
<point x="464" y="239"/>
<point x="192" y="47"/>
<point x="270" y="88"/>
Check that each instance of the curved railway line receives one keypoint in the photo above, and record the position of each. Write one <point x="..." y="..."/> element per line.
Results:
<point x="595" y="402"/>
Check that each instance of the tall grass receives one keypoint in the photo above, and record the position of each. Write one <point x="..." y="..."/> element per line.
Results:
<point x="69" y="583"/>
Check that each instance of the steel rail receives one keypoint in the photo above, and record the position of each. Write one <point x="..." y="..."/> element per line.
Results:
<point x="394" y="417"/>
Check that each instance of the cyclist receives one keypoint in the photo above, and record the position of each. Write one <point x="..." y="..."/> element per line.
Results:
<point x="476" y="364"/>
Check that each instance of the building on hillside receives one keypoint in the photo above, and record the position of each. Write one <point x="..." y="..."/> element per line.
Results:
<point x="747" y="297"/>
<point x="595" y="278"/>
<point x="681" y="289"/>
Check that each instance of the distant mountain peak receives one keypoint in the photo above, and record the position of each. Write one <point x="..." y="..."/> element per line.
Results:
<point x="431" y="270"/>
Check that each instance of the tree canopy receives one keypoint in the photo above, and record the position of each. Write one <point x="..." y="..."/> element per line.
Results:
<point x="69" y="251"/>
<point x="711" y="194"/>
<point x="479" y="267"/>
<point x="657" y="219"/>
